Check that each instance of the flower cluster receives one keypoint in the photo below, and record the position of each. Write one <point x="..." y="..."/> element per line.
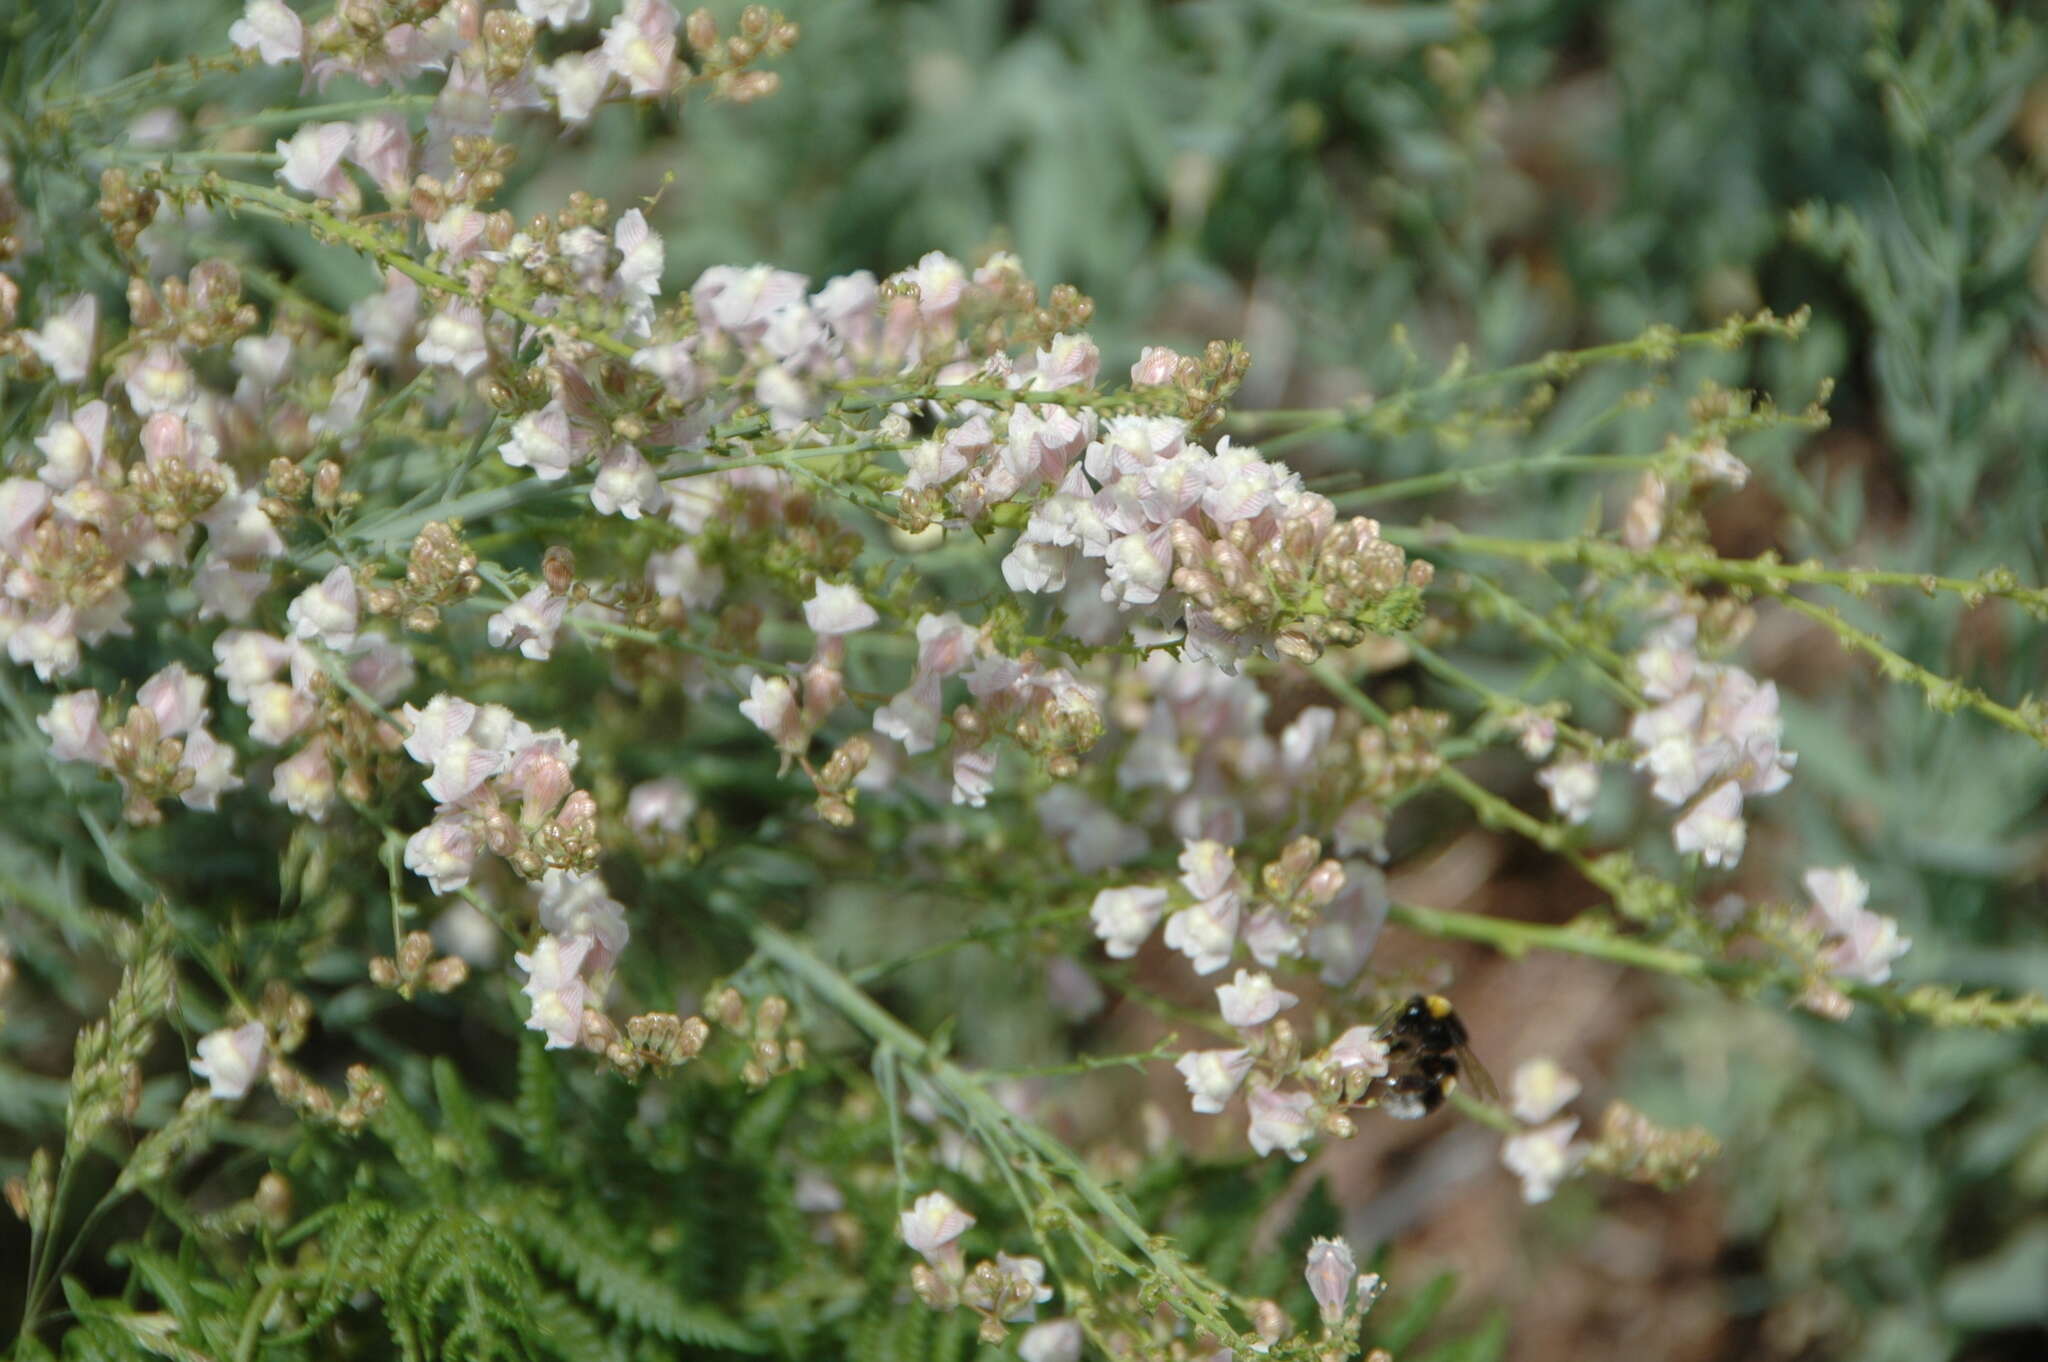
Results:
<point x="1543" y="1153"/>
<point x="162" y="749"/>
<point x="1003" y="1290"/>
<point x="498" y="786"/>
<point x="1712" y="739"/>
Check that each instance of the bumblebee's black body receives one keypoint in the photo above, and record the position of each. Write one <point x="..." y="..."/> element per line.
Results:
<point x="1427" y="1049"/>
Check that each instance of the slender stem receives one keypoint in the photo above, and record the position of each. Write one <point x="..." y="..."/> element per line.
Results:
<point x="1194" y="1298"/>
<point x="1478" y="477"/>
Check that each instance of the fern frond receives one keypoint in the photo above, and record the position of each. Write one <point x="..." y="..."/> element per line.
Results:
<point x="625" y="1290"/>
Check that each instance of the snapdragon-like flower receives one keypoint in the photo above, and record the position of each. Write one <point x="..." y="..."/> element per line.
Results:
<point x="66" y="338"/>
<point x="313" y="158"/>
<point x="1861" y="945"/>
<point x="272" y="29"/>
<point x="580" y="907"/>
<point x="455" y="339"/>
<point x="1573" y="785"/>
<point x="328" y="611"/>
<point x="304" y="782"/>
<point x="1124" y="918"/>
<point x="1213" y="1077"/>
<point x="1713" y="827"/>
<point x="529" y="624"/>
<point x="1543" y="1157"/>
<point x="1540" y="1089"/>
<point x="932" y="1227"/>
<point x="231" y="1060"/>
<point x="838" y="608"/>
<point x="771" y="706"/>
<point x="1280" y="1120"/>
<point x="1055" y="1340"/>
<point x="1331" y="1272"/>
<point x="1252" y="1000"/>
<point x="554" y="983"/>
<point x="1206" y="932"/>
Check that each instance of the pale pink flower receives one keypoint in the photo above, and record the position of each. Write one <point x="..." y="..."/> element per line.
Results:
<point x="1861" y="944"/>
<point x="455" y="339"/>
<point x="1252" y="1000"/>
<point x="272" y="29"/>
<point x="555" y="986"/>
<point x="1066" y="362"/>
<point x="674" y="365"/>
<point x="1213" y="1076"/>
<point x="1124" y="918"/>
<point x="1544" y="1157"/>
<point x="640" y="45"/>
<point x="73" y="725"/>
<point x="328" y="611"/>
<point x="231" y="1060"/>
<point x="578" y="82"/>
<point x="304" y="782"/>
<point x="556" y="13"/>
<point x="664" y="806"/>
<point x="313" y="160"/>
<point x="74" y="447"/>
<point x="176" y="699"/>
<point x="1714" y="827"/>
<point x="1206" y="933"/>
<point x="771" y="706"/>
<point x="974" y="772"/>
<point x="838" y="608"/>
<point x="529" y="624"/>
<point x="581" y="907"/>
<point x="641" y="256"/>
<point x="683" y="576"/>
<point x="65" y="340"/>
<point x="158" y="380"/>
<point x="385" y="320"/>
<point x="1157" y="366"/>
<point x="941" y="282"/>
<point x="740" y="300"/>
<point x="1540" y="1089"/>
<point x="544" y="442"/>
<point x="1280" y="1120"/>
<point x="932" y="1227"/>
<point x="1358" y="1050"/>
<point x="1573" y="784"/>
<point x="444" y="852"/>
<point x="626" y="484"/>
<point x="1330" y="1272"/>
<point x="1713" y="462"/>
<point x="1055" y="1340"/>
<point x="212" y="764"/>
<point x="383" y="148"/>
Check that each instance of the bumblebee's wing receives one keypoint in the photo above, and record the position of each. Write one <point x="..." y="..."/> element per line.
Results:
<point x="1476" y="1077"/>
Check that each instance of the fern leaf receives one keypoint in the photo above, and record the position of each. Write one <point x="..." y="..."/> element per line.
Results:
<point x="626" y="1291"/>
<point x="539" y="1122"/>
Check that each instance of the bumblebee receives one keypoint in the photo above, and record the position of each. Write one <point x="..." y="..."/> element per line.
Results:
<point x="1427" y="1051"/>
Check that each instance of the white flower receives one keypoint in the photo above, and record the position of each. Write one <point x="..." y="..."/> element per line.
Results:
<point x="641" y="256"/>
<point x="444" y="852"/>
<point x="212" y="764"/>
<point x="1213" y="1076"/>
<point x="1712" y="462"/>
<point x="933" y="1226"/>
<point x="626" y="484"/>
<point x="1331" y="1271"/>
<point x="65" y="341"/>
<point x="555" y="986"/>
<point x="838" y="608"/>
<point x="313" y="160"/>
<point x="1573" y="785"/>
<point x="1252" y="1000"/>
<point x="1542" y="1158"/>
<point x="555" y="13"/>
<point x="1714" y="828"/>
<point x="327" y="612"/>
<point x="231" y="1059"/>
<point x="1862" y="945"/>
<point x="1540" y="1089"/>
<point x="1123" y="918"/>
<point x="1280" y="1120"/>
<point x="73" y="725"/>
<point x="542" y="440"/>
<point x="455" y="339"/>
<point x="581" y="907"/>
<point x="272" y="29"/>
<point x="529" y="624"/>
<point x="1358" y="1049"/>
<point x="640" y="45"/>
<point x="1206" y="933"/>
<point x="176" y="699"/>
<point x="665" y="806"/>
<point x="1056" y="1340"/>
<point x="771" y="707"/>
<point x="304" y="782"/>
<point x="974" y="772"/>
<point x="1207" y="868"/>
